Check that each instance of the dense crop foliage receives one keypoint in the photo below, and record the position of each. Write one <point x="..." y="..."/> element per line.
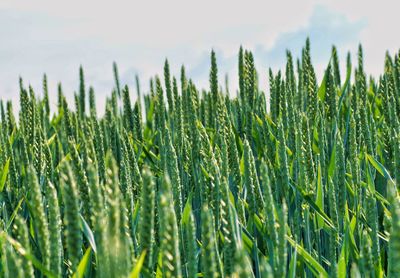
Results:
<point x="183" y="182"/>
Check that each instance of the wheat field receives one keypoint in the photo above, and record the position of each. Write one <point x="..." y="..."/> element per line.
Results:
<point x="295" y="180"/>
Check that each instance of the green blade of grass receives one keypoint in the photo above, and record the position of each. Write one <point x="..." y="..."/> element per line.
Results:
<point x="138" y="267"/>
<point x="4" y="174"/>
<point x="312" y="263"/>
<point x="83" y="264"/>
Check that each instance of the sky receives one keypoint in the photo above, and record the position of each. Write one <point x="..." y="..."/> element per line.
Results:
<point x="56" y="37"/>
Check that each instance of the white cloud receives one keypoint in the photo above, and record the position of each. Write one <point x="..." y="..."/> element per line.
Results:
<point x="56" y="37"/>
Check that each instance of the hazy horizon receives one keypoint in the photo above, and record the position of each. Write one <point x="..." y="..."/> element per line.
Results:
<point x="56" y="38"/>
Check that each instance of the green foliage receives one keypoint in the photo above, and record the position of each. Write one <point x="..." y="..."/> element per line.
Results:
<point x="73" y="235"/>
<point x="56" y="246"/>
<point x="22" y="235"/>
<point x="40" y="222"/>
<point x="170" y="254"/>
<point x="146" y="221"/>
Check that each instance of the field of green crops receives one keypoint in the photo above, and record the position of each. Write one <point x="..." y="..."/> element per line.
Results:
<point x="294" y="180"/>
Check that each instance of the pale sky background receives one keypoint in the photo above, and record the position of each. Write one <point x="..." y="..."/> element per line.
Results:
<point x="57" y="36"/>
